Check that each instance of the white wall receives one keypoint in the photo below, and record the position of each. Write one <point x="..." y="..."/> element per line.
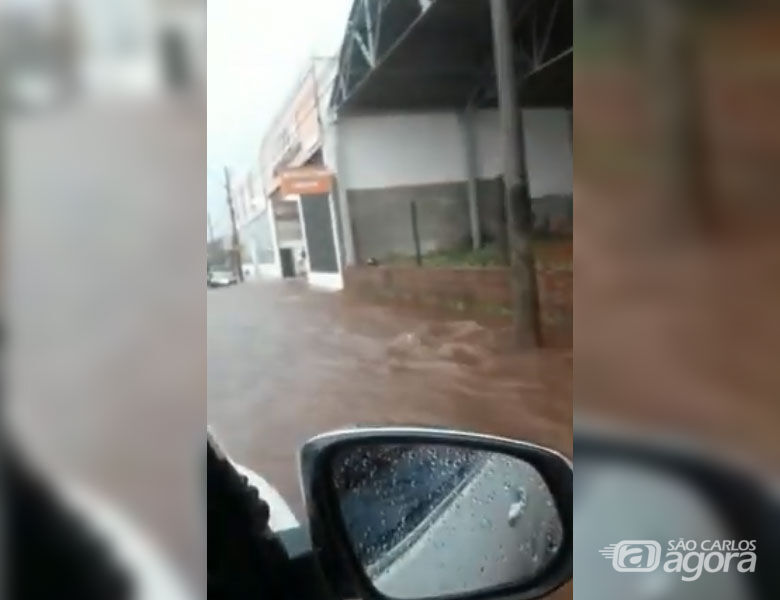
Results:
<point x="424" y="148"/>
<point x="403" y="149"/>
<point x="548" y="149"/>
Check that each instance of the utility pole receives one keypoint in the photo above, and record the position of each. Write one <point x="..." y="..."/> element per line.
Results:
<point x="236" y="249"/>
<point x="519" y="217"/>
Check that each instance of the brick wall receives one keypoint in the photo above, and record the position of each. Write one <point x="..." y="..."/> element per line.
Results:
<point x="483" y="291"/>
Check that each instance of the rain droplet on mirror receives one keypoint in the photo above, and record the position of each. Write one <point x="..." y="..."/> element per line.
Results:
<point x="517" y="508"/>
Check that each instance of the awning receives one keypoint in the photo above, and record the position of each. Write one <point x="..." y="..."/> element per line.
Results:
<point x="438" y="54"/>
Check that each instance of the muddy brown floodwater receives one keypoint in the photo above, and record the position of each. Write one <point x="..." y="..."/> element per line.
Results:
<point x="286" y="362"/>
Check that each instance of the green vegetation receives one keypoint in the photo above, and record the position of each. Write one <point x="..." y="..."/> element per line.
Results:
<point x="488" y="256"/>
<point x="548" y="250"/>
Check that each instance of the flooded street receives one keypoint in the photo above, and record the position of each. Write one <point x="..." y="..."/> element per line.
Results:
<point x="286" y="362"/>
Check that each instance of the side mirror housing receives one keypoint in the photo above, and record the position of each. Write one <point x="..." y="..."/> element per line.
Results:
<point x="409" y="513"/>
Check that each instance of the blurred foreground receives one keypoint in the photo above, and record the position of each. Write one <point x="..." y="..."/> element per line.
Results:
<point x="677" y="253"/>
<point x="677" y="262"/>
<point x="104" y="116"/>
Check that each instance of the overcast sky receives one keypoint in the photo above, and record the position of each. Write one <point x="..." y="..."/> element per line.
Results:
<point x="257" y="50"/>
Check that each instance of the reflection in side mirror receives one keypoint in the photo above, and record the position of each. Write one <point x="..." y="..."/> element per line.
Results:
<point x="430" y="519"/>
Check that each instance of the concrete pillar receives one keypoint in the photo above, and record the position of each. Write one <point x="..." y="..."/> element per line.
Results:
<point x="342" y="178"/>
<point x="467" y="123"/>
<point x="333" y="157"/>
<point x="269" y="207"/>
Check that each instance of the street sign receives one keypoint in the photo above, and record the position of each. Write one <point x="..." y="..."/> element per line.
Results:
<point x="304" y="181"/>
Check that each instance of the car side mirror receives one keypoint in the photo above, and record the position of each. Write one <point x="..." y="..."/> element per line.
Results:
<point x="406" y="513"/>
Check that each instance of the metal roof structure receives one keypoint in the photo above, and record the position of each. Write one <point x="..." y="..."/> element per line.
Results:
<point x="438" y="54"/>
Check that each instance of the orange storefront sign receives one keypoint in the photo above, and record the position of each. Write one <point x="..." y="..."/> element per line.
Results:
<point x="305" y="181"/>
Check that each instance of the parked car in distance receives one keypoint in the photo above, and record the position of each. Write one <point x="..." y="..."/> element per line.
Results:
<point x="217" y="279"/>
